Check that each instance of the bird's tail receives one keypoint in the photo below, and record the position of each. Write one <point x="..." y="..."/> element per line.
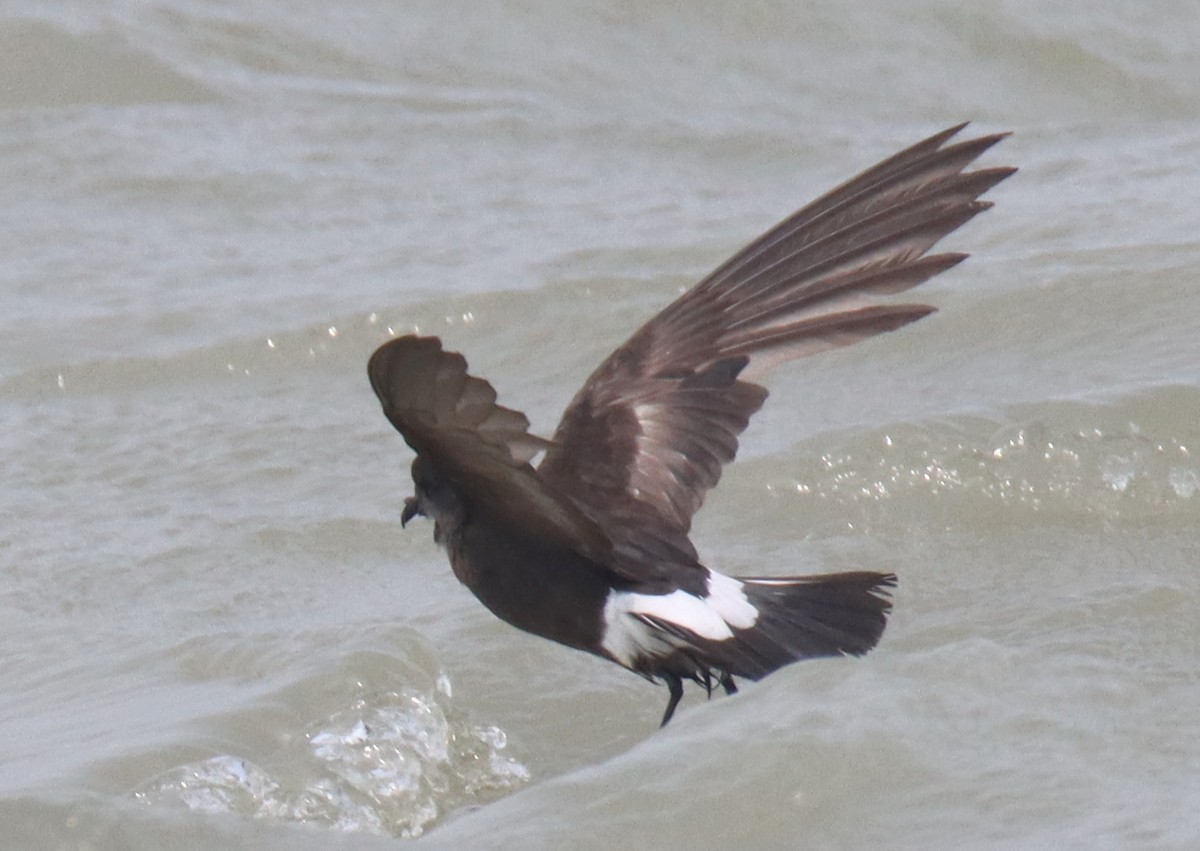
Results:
<point x="803" y="617"/>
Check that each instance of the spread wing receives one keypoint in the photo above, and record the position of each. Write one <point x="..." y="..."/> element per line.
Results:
<point x="452" y="419"/>
<point x="646" y="437"/>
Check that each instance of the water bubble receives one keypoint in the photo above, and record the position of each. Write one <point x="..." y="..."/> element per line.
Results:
<point x="1184" y="482"/>
<point x="1118" y="472"/>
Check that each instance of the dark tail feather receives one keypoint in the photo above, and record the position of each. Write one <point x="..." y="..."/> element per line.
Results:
<point x="805" y="617"/>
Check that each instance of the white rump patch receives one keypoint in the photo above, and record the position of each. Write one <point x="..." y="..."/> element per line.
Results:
<point x="713" y="617"/>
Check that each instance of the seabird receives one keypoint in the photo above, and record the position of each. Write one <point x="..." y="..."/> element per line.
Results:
<point x="591" y="547"/>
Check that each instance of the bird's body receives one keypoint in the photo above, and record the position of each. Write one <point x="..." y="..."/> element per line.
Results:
<point x="509" y="575"/>
<point x="591" y="548"/>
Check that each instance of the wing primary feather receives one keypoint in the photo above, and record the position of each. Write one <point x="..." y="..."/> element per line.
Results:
<point x="652" y="426"/>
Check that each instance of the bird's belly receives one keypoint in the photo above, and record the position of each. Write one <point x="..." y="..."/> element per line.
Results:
<point x="552" y="593"/>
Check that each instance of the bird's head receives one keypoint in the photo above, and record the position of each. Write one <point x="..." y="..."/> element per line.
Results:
<point x="433" y="496"/>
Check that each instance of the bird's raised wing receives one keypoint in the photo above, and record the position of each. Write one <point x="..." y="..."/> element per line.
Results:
<point x="646" y="437"/>
<point x="451" y="419"/>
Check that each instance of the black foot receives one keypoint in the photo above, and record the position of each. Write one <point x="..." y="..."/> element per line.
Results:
<point x="728" y="684"/>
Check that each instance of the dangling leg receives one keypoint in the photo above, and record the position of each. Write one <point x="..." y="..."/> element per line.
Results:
<point x="727" y="683"/>
<point x="675" y="686"/>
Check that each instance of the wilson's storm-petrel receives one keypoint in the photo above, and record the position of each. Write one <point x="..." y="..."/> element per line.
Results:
<point x="591" y="547"/>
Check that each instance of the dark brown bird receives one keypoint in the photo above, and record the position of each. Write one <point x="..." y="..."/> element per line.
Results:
<point x="591" y="548"/>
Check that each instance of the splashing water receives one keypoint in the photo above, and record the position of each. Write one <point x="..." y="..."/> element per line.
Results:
<point x="390" y="765"/>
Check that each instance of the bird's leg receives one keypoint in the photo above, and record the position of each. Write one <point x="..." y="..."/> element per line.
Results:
<point x="675" y="686"/>
<point x="727" y="683"/>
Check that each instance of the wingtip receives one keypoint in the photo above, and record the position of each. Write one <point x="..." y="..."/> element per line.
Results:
<point x="958" y="128"/>
<point x="986" y="141"/>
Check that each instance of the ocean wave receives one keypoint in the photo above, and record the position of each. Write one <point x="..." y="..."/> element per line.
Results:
<point x="1133" y="459"/>
<point x="45" y="65"/>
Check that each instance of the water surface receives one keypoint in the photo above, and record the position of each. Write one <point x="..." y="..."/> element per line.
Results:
<point x="216" y="633"/>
